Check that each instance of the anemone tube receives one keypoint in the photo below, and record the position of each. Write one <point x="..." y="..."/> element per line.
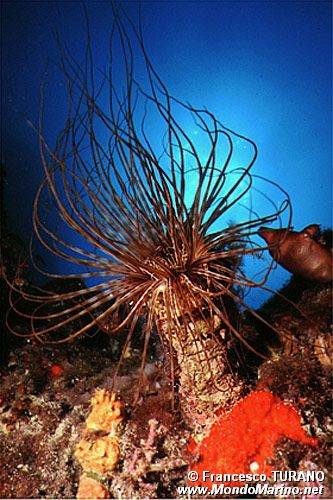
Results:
<point x="152" y="221"/>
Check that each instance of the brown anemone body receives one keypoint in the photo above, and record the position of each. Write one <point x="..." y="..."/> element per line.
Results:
<point x="201" y="354"/>
<point x="299" y="252"/>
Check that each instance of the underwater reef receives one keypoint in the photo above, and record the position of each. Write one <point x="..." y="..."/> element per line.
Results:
<point x="118" y="388"/>
<point x="69" y="429"/>
<point x="57" y="409"/>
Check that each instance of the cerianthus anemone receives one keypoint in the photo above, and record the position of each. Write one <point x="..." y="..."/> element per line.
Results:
<point x="154" y="217"/>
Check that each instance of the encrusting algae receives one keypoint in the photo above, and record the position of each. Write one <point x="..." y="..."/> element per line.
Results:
<point x="107" y="412"/>
<point x="248" y="433"/>
<point x="100" y="455"/>
<point x="91" y="488"/>
<point x="98" y="451"/>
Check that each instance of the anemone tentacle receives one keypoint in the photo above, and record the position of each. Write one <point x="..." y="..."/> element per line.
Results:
<point x="154" y="218"/>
